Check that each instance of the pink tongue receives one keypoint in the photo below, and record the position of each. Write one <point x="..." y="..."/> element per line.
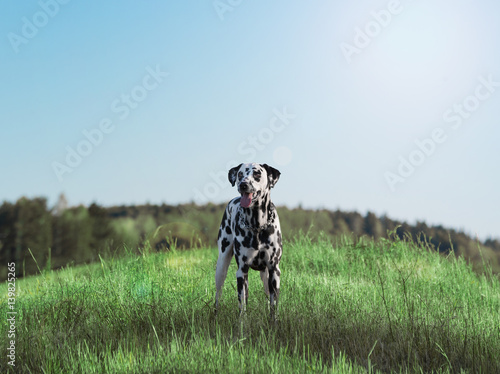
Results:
<point x="246" y="200"/>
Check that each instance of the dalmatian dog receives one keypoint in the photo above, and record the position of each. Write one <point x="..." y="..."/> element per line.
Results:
<point x="250" y="231"/>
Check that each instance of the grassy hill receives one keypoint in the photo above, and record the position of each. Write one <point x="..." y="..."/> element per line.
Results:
<point x="345" y="307"/>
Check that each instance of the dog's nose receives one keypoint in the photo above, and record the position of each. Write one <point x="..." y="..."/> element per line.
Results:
<point x="244" y="186"/>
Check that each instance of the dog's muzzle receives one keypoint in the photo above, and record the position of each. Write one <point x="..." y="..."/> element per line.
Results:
<point x="247" y="194"/>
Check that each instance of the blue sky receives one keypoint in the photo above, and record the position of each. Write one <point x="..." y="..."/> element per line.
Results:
<point x="387" y="106"/>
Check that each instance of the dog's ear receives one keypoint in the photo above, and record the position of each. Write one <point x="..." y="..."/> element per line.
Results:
<point x="272" y="175"/>
<point x="233" y="174"/>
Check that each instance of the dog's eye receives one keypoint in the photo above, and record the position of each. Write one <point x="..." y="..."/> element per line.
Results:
<point x="240" y="175"/>
<point x="257" y="174"/>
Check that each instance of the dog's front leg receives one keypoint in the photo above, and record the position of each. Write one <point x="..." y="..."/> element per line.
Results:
<point x="242" y="286"/>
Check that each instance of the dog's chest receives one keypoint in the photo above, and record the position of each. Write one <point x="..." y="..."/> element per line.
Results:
<point x="257" y="249"/>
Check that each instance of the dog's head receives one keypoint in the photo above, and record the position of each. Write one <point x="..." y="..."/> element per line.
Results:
<point x="253" y="180"/>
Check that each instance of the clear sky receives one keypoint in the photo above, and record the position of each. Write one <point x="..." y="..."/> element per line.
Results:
<point x="387" y="106"/>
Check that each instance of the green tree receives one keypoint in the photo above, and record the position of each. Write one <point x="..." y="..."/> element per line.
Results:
<point x="33" y="226"/>
<point x="101" y="228"/>
<point x="373" y="226"/>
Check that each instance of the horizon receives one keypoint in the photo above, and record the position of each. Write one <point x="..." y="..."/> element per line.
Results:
<point x="359" y="106"/>
<point x="474" y="236"/>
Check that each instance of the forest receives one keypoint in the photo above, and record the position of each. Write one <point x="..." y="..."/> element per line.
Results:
<point x="38" y="237"/>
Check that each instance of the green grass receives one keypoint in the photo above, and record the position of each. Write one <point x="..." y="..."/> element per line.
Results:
<point x="349" y="307"/>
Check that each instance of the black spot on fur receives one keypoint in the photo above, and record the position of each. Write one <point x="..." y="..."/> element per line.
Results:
<point x="247" y="241"/>
<point x="228" y="230"/>
<point x="255" y="242"/>
<point x="224" y="244"/>
<point x="257" y="174"/>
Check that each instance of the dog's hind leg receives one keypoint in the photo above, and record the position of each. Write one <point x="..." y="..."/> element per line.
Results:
<point x="264" y="275"/>
<point x="274" y="290"/>
<point x="221" y="272"/>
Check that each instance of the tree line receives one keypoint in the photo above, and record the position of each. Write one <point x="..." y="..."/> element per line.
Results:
<point x="37" y="237"/>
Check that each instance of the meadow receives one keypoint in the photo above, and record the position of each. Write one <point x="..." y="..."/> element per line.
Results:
<point x="352" y="305"/>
